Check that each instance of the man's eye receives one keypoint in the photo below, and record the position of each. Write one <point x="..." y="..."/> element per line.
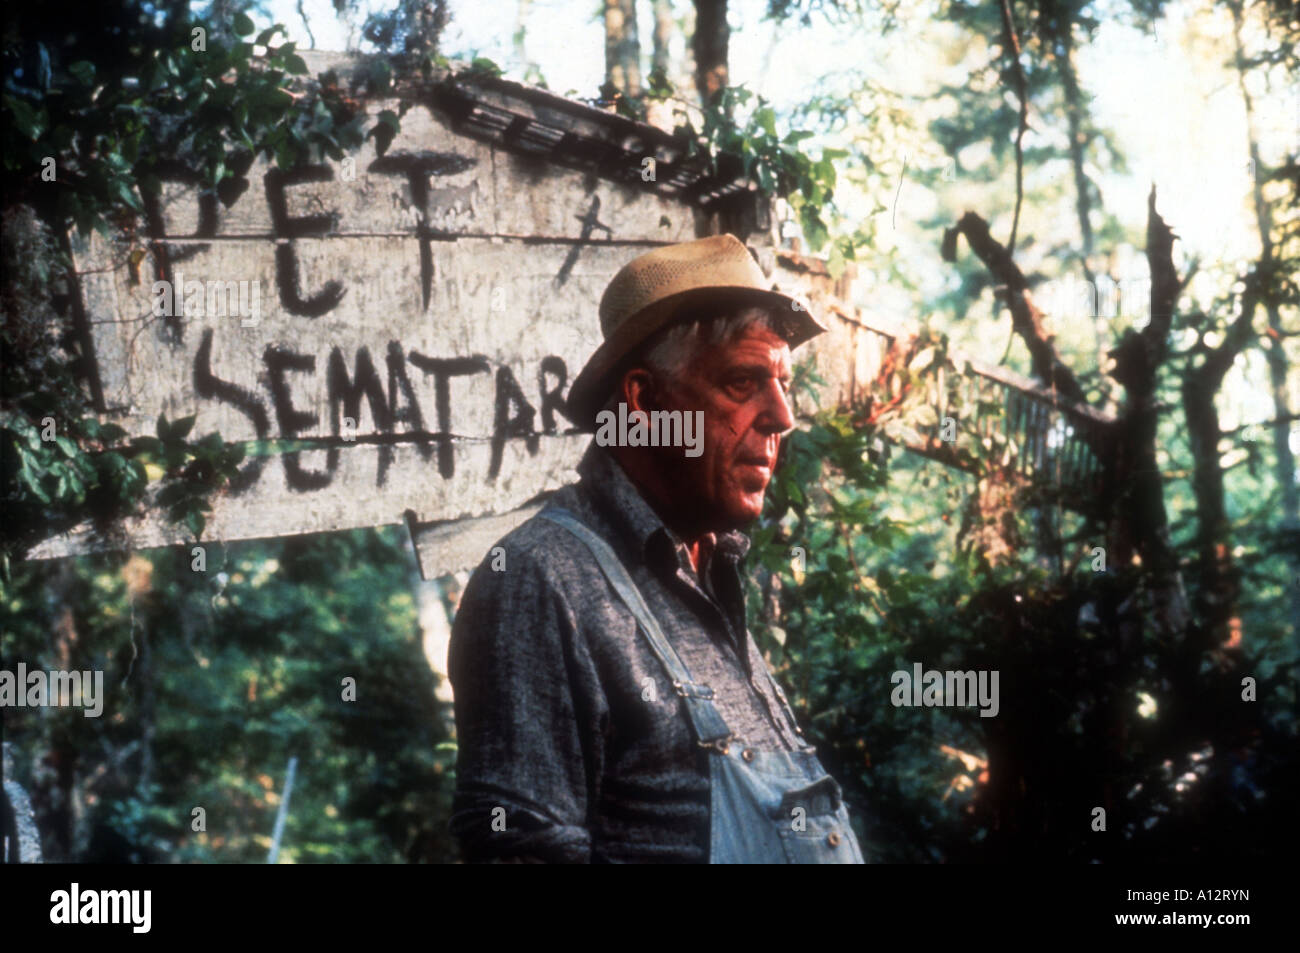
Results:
<point x="742" y="386"/>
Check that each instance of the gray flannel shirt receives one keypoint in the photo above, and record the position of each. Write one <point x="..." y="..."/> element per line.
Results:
<point x="573" y="746"/>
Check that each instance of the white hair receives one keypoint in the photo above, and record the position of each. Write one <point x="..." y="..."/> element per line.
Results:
<point x="669" y="352"/>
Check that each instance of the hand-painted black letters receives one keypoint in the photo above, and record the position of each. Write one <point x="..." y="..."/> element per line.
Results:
<point x="291" y="420"/>
<point x="286" y="226"/>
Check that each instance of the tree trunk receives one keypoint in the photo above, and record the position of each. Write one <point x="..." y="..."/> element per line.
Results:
<point x="663" y="31"/>
<point x="521" y="32"/>
<point x="1285" y="464"/>
<point x="1074" y="115"/>
<point x="1219" y="584"/>
<point x="1284" y="459"/>
<point x="622" y="48"/>
<point x="1217" y="591"/>
<point x="1135" y="493"/>
<point x="1134" y="479"/>
<point x="709" y="45"/>
<point x="1061" y="43"/>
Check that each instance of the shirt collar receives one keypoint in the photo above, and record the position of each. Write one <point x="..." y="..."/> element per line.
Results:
<point x="631" y="516"/>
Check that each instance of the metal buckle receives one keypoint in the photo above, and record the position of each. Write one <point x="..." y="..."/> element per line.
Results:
<point x="693" y="691"/>
<point x="721" y="745"/>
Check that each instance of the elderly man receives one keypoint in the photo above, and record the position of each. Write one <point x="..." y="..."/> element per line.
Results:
<point x="611" y="705"/>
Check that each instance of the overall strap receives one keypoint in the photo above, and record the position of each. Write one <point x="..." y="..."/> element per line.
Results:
<point x="785" y="706"/>
<point x="710" y="728"/>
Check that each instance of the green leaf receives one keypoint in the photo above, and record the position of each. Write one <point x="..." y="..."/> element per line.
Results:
<point x="180" y="428"/>
<point x="383" y="134"/>
<point x="172" y="494"/>
<point x="243" y="24"/>
<point x="76" y="485"/>
<point x="84" y="71"/>
<point x="27" y="120"/>
<point x="481" y="64"/>
<point x="380" y="76"/>
<point x="286" y="156"/>
<point x="32" y="480"/>
<point x="126" y="194"/>
<point x="813" y="228"/>
<point x="835" y="262"/>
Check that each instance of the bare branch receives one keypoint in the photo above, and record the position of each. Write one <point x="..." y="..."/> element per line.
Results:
<point x="1262" y="425"/>
<point x="1012" y="43"/>
<point x="1165" y="285"/>
<point x="1026" y="319"/>
<point x="306" y="24"/>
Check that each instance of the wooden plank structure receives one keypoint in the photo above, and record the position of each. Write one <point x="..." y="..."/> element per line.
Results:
<point x="1053" y="440"/>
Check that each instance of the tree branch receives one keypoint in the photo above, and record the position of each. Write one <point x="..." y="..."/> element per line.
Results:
<point x="1026" y="319"/>
<point x="1262" y="425"/>
<point x="1165" y="284"/>
<point x="1012" y="44"/>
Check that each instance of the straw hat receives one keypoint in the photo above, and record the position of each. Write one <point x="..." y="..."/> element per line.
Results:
<point x="652" y="290"/>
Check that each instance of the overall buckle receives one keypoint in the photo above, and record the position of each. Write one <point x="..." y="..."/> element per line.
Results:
<point x="691" y="690"/>
<point x="720" y="745"/>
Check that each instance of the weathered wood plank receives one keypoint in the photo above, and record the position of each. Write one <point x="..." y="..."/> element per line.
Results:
<point x="449" y="547"/>
<point x="358" y="494"/>
<point x="580" y="205"/>
<point x="514" y="314"/>
<point x="430" y="178"/>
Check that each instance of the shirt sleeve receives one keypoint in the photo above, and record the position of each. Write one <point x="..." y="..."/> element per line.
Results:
<point x="529" y="711"/>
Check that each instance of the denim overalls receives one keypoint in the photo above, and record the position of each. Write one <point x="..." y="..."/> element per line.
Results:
<point x="766" y="807"/>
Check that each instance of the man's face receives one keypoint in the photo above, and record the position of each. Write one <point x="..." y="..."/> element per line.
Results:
<point x="742" y="389"/>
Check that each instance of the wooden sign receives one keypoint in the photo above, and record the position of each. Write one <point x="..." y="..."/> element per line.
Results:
<point x="420" y="313"/>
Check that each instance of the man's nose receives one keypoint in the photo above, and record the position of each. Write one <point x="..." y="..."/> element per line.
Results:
<point x="778" y="415"/>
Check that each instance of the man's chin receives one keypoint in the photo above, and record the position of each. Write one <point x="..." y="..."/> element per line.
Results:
<point x="745" y="510"/>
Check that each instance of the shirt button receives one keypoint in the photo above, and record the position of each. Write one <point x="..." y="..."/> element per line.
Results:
<point x="748" y="754"/>
<point x="833" y="839"/>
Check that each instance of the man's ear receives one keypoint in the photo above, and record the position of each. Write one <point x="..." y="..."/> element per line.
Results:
<point x="640" y="390"/>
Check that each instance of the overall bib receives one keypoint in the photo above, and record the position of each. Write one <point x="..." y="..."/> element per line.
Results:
<point x="766" y="807"/>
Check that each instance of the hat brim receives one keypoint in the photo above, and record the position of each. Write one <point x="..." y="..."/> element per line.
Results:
<point x="591" y="387"/>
